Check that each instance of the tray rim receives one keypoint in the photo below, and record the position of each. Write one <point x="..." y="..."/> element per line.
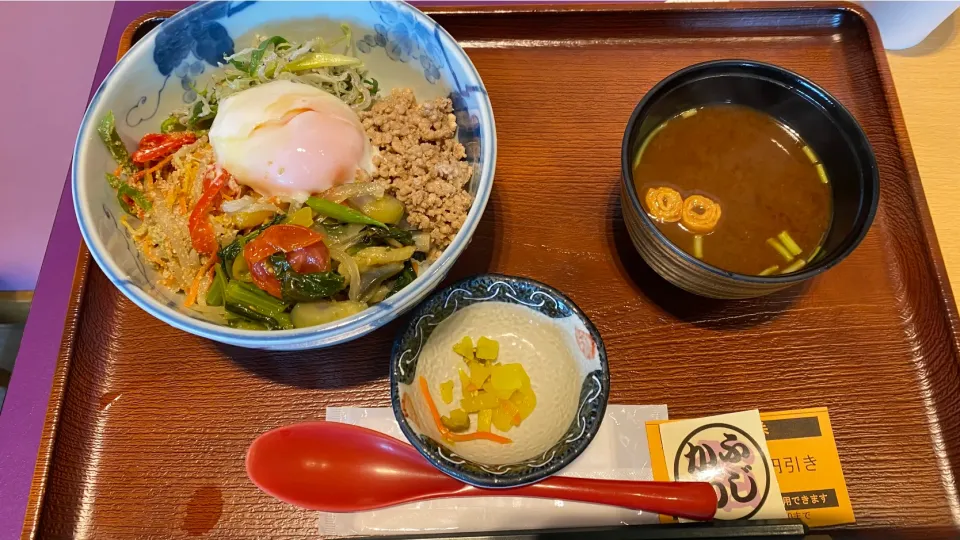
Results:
<point x="945" y="297"/>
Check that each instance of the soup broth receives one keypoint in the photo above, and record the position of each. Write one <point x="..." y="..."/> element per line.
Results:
<point x="735" y="188"/>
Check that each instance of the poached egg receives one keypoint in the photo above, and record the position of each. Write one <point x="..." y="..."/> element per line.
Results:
<point x="289" y="139"/>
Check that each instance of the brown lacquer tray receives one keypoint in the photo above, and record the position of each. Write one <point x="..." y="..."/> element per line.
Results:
<point x="147" y="425"/>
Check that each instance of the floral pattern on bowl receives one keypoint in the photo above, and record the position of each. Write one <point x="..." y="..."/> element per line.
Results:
<point x="579" y="337"/>
<point x="162" y="70"/>
<point x="183" y="48"/>
<point x="404" y="39"/>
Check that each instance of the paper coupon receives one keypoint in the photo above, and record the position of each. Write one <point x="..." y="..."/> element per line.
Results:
<point x="803" y="458"/>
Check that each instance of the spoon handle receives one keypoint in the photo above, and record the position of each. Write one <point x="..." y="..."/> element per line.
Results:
<point x="691" y="500"/>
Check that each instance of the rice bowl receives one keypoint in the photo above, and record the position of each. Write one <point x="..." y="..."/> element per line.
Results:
<point x="102" y="217"/>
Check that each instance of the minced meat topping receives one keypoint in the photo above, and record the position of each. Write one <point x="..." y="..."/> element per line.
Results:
<point x="421" y="162"/>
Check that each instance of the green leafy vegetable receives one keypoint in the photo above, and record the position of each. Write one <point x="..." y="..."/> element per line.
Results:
<point x="200" y="121"/>
<point x="377" y="236"/>
<point x="372" y="84"/>
<point x="113" y="181"/>
<point x="171" y="124"/>
<point x="241" y="65"/>
<point x="243" y="323"/>
<point x="108" y="134"/>
<point x="250" y="302"/>
<point x="233" y="250"/>
<point x="340" y="212"/>
<point x="257" y="55"/>
<point x="125" y="191"/>
<point x="127" y="207"/>
<point x="405" y="278"/>
<point x="317" y="60"/>
<point x="297" y="287"/>
<point x="240" y="270"/>
<point x="215" y="293"/>
<point x="138" y="197"/>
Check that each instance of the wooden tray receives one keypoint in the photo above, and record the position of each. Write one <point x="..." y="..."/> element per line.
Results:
<point x="147" y="426"/>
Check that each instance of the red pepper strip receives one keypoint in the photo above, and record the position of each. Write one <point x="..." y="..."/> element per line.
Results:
<point x="287" y="239"/>
<point x="202" y="237"/>
<point x="155" y="146"/>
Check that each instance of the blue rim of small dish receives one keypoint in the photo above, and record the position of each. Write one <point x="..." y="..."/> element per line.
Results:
<point x="341" y="331"/>
<point x="800" y="85"/>
<point x="583" y="428"/>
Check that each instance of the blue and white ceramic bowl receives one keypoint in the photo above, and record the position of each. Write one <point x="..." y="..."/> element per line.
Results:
<point x="536" y="326"/>
<point x="401" y="47"/>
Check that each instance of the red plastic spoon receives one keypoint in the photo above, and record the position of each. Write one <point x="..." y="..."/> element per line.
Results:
<point x="343" y="468"/>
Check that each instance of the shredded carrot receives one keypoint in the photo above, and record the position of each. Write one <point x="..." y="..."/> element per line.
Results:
<point x="171" y="197"/>
<point x="425" y="388"/>
<point x="148" y="252"/>
<point x="147" y="181"/>
<point x="118" y="170"/>
<point x="183" y="205"/>
<point x="477" y="435"/>
<point x="154" y="168"/>
<point x="189" y="174"/>
<point x="195" y="286"/>
<point x="445" y="432"/>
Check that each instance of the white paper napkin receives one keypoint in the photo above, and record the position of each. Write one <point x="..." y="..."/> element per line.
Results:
<point x="619" y="451"/>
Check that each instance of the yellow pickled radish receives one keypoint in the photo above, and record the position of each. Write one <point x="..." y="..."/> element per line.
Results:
<point x="478" y="373"/>
<point x="487" y="349"/>
<point x="481" y="401"/>
<point x="502" y="419"/>
<point x="464" y="348"/>
<point x="508" y="377"/>
<point x="499" y="394"/>
<point x="525" y="400"/>
<point x="484" y="420"/>
<point x="511" y="410"/>
<point x="446" y="392"/>
<point x="470" y="404"/>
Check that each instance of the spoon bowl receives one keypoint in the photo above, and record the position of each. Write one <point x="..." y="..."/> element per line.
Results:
<point x="337" y="467"/>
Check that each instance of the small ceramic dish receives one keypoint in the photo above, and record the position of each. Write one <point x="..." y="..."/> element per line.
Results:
<point x="536" y="326"/>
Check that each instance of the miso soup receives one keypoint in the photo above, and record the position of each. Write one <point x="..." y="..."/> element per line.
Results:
<point x="735" y="188"/>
